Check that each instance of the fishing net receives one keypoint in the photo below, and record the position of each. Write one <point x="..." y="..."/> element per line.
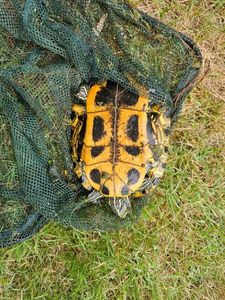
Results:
<point x="48" y="50"/>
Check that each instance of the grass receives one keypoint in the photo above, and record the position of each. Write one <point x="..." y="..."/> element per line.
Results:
<point x="176" y="249"/>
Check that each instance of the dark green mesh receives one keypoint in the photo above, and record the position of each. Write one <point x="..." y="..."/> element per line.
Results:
<point x="48" y="49"/>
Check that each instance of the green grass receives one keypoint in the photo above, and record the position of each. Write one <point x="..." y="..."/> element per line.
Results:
<point x="176" y="249"/>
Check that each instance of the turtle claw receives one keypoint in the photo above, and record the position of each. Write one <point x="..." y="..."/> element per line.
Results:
<point x="121" y="206"/>
<point x="83" y="93"/>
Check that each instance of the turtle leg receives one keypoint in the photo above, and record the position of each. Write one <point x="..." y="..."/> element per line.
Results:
<point x="151" y="180"/>
<point x="77" y="124"/>
<point x="120" y="206"/>
<point x="85" y="182"/>
<point x="159" y="139"/>
<point x="78" y="110"/>
<point x="161" y="126"/>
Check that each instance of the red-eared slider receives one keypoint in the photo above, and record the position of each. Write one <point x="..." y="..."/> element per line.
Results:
<point x="119" y="144"/>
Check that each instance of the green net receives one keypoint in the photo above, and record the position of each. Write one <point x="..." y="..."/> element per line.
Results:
<point x="48" y="49"/>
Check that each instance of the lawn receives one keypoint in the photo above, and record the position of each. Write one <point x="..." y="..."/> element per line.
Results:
<point x="176" y="249"/>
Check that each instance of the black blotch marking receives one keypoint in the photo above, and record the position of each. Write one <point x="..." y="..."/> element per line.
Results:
<point x="112" y="91"/>
<point x="104" y="97"/>
<point x="150" y="132"/>
<point x="133" y="176"/>
<point x="132" y="128"/>
<point x="115" y="88"/>
<point x="127" y="98"/>
<point x="105" y="190"/>
<point x="125" y="190"/>
<point x="107" y="94"/>
<point x="112" y="86"/>
<point x="166" y="149"/>
<point x="124" y="96"/>
<point x="98" y="128"/>
<point x="95" y="175"/>
<point x="133" y="150"/>
<point x="96" y="151"/>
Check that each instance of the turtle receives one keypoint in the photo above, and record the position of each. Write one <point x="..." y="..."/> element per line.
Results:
<point x="119" y="143"/>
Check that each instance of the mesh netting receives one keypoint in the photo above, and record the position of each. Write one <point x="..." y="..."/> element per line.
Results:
<point x="48" y="49"/>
